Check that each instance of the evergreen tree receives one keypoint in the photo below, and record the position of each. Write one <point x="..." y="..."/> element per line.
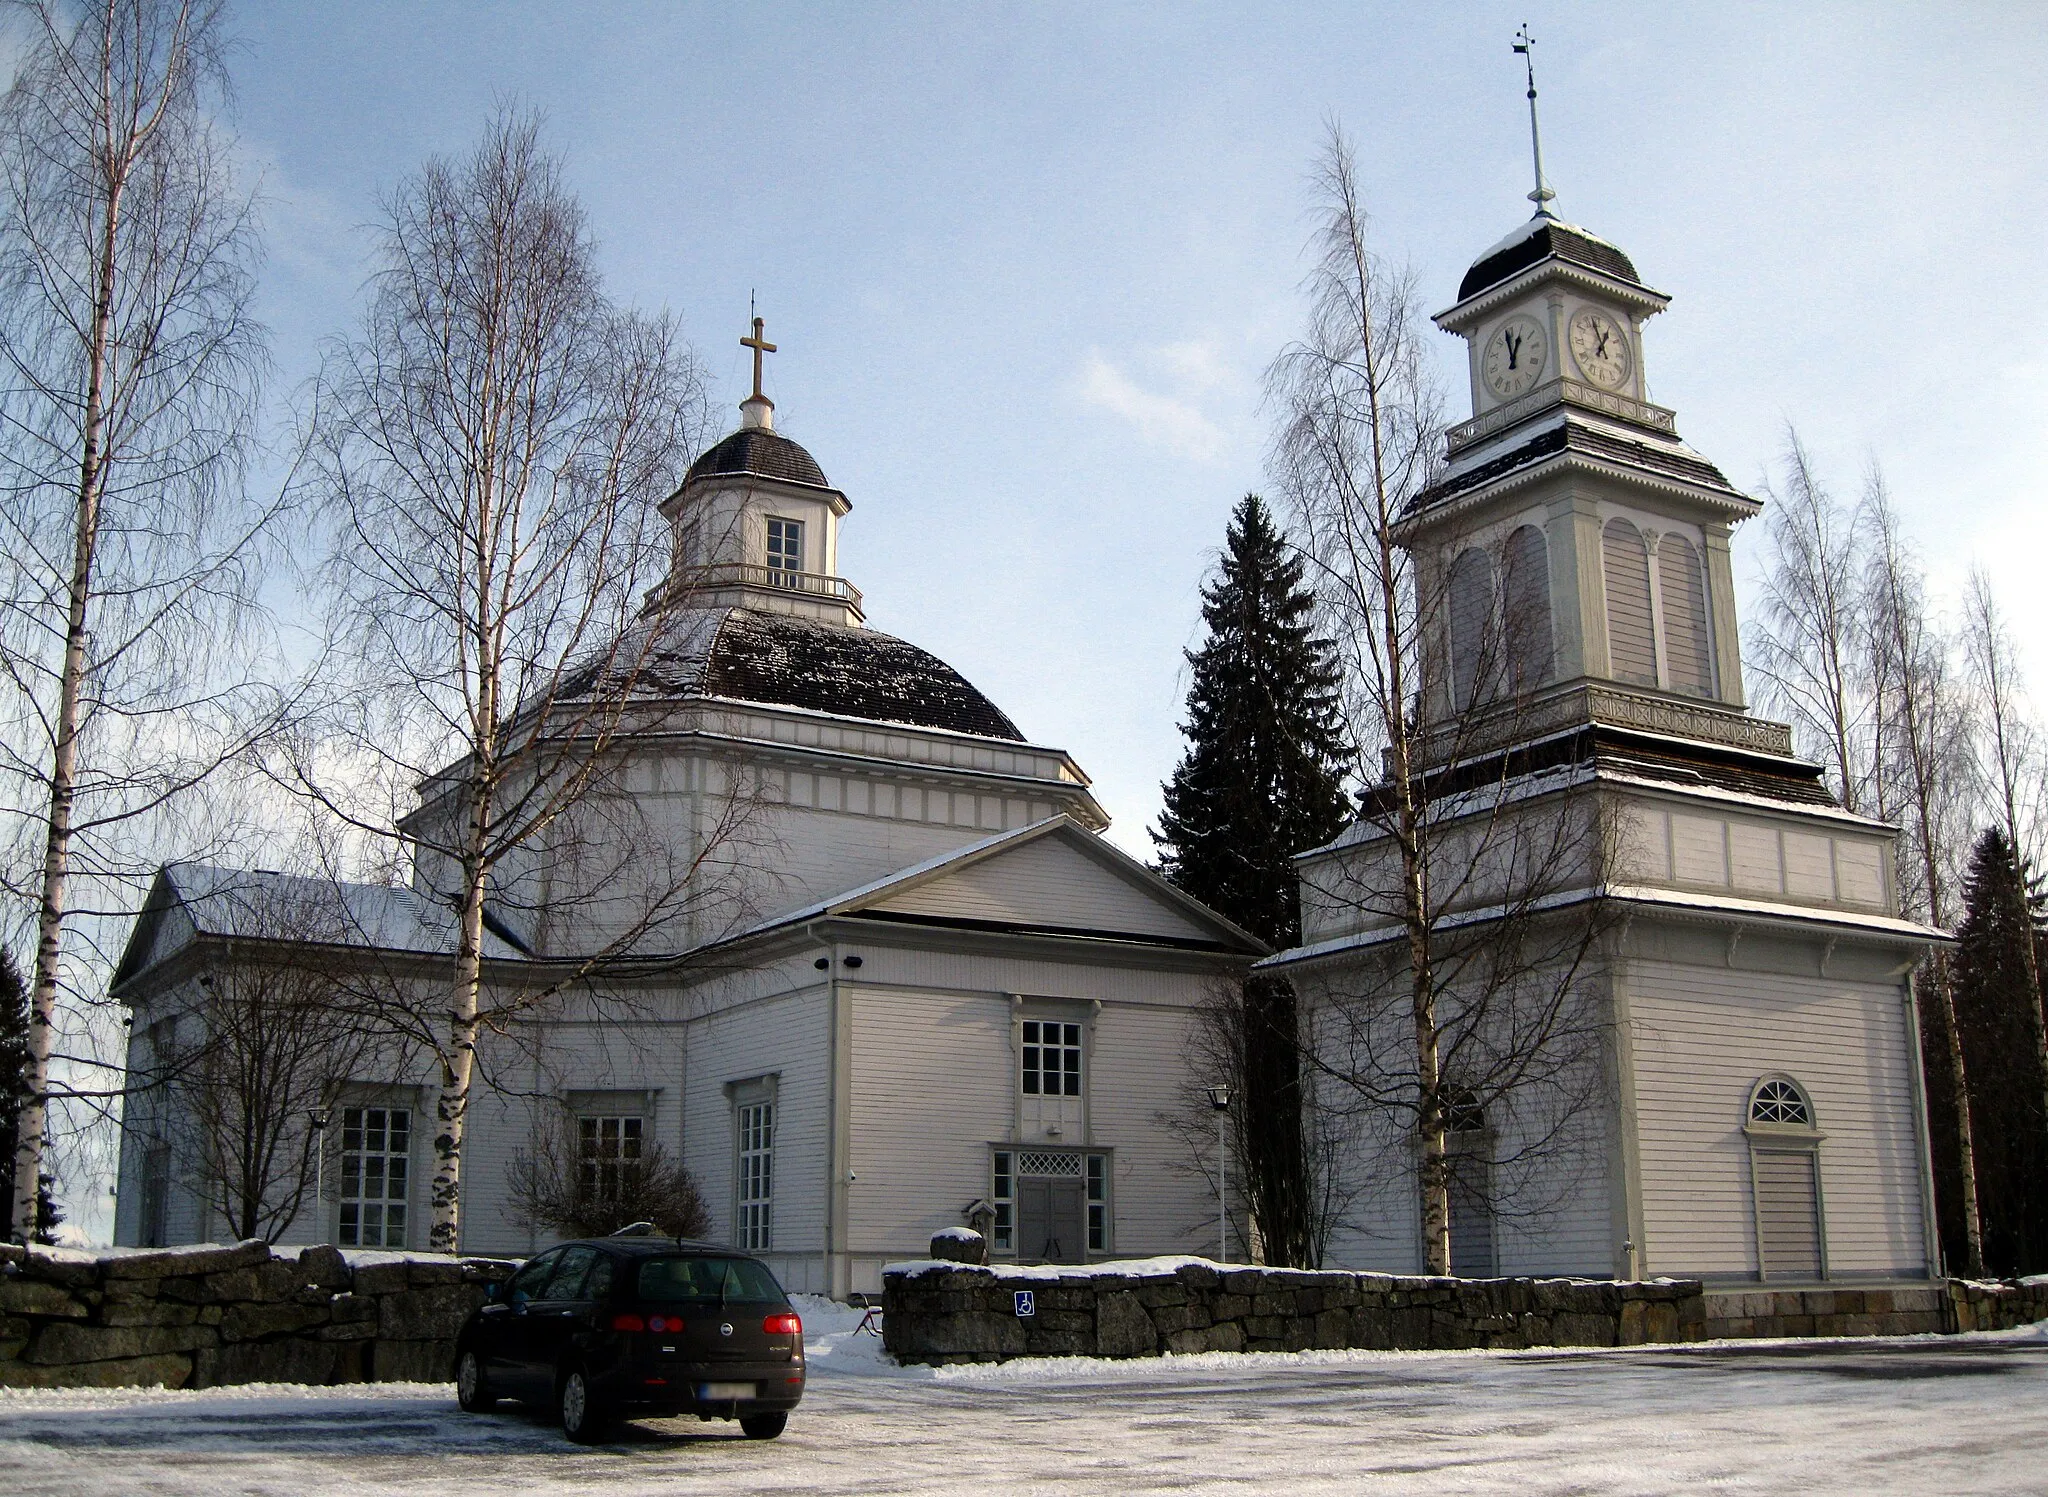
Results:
<point x="1994" y="1004"/>
<point x="1262" y="779"/>
<point x="14" y="1091"/>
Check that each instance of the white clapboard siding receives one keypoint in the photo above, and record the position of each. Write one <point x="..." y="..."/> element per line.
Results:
<point x="1631" y="647"/>
<point x="818" y="855"/>
<point x="1702" y="1036"/>
<point x="1686" y="653"/>
<point x="1160" y="1204"/>
<point x="781" y="1035"/>
<point x="933" y="1077"/>
<point x="1787" y="1213"/>
<point x="1047" y="882"/>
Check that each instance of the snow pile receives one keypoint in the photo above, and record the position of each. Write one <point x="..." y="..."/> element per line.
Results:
<point x="835" y="1343"/>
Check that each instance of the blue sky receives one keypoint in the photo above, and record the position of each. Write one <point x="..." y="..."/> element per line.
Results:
<point x="1026" y="263"/>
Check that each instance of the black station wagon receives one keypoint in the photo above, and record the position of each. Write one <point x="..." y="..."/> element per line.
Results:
<point x="637" y="1326"/>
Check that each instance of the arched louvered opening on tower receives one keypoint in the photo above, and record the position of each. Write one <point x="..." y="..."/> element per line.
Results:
<point x="1688" y="660"/>
<point x="1474" y="662"/>
<point x="1631" y="640"/>
<point x="1525" y="609"/>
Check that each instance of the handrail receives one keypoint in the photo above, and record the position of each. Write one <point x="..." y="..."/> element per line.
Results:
<point x="753" y="574"/>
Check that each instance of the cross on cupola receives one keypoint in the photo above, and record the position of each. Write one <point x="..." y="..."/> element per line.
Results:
<point x="757" y="409"/>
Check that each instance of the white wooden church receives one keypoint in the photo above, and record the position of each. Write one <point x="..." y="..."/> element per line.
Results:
<point x="955" y="991"/>
<point x="952" y="989"/>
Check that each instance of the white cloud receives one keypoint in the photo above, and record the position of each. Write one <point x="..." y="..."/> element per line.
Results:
<point x="1172" y="421"/>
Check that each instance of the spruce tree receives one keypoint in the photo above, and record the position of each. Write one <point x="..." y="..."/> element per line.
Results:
<point x="14" y="1091"/>
<point x="1262" y="779"/>
<point x="1995" y="1015"/>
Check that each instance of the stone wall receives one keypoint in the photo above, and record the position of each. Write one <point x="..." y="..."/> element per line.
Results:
<point x="205" y="1316"/>
<point x="1977" y="1306"/>
<point x="941" y="1312"/>
<point x="1896" y="1310"/>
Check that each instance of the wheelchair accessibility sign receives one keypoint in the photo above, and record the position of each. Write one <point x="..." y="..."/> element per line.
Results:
<point x="1027" y="1304"/>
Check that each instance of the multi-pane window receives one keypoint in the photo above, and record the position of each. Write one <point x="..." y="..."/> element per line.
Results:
<point x="785" y="551"/>
<point x="1098" y="1203"/>
<point x="376" y="1150"/>
<point x="1780" y="1102"/>
<point x="1004" y="1199"/>
<point x="756" y="1175"/>
<point x="1052" y="1059"/>
<point x="606" y="1148"/>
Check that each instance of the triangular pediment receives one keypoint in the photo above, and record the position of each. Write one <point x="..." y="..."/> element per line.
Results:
<point x="1053" y="877"/>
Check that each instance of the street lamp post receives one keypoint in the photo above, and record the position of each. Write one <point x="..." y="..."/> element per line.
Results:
<point x="319" y="1118"/>
<point x="1219" y="1099"/>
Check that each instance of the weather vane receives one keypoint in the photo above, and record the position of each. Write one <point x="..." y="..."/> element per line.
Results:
<point x="1525" y="45"/>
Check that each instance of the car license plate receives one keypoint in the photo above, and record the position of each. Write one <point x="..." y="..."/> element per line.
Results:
<point x="724" y="1392"/>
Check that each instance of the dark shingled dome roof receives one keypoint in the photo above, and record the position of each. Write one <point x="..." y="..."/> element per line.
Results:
<point x="752" y="655"/>
<point x="1547" y="237"/>
<point x="799" y="662"/>
<point x="763" y="453"/>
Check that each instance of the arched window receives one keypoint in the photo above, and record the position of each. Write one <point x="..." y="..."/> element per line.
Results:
<point x="1631" y="646"/>
<point x="1472" y="646"/>
<point x="1780" y="1101"/>
<point x="1784" y="1168"/>
<point x="1686" y="657"/>
<point x="1525" y="619"/>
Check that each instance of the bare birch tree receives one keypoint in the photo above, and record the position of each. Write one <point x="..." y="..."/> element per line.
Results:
<point x="1479" y="1002"/>
<point x="1924" y="737"/>
<point x="128" y="371"/>
<point x="493" y="444"/>
<point x="1809" y="650"/>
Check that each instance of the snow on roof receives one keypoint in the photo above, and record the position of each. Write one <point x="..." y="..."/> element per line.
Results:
<point x="261" y="903"/>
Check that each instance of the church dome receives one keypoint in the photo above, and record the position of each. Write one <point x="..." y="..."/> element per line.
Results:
<point x="785" y="660"/>
<point x="1539" y="239"/>
<point x="760" y="452"/>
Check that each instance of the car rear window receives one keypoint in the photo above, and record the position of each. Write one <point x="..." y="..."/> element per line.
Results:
<point x="669" y="1280"/>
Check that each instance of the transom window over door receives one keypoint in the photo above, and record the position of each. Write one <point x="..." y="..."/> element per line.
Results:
<point x="785" y="551"/>
<point x="376" y="1158"/>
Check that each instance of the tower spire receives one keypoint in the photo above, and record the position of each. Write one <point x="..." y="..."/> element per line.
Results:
<point x="1525" y="45"/>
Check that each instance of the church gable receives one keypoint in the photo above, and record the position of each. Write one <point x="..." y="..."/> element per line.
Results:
<point x="1050" y="882"/>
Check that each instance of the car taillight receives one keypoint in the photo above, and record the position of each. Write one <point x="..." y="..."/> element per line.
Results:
<point x="783" y="1325"/>
<point x="628" y="1323"/>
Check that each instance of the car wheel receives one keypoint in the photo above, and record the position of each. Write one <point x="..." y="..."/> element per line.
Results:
<point x="763" y="1426"/>
<point x="471" y="1390"/>
<point x="583" y="1417"/>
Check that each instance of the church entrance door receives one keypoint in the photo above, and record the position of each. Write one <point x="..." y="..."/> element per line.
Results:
<point x="1049" y="1221"/>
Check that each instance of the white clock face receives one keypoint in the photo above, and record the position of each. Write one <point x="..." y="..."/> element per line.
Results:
<point x="1599" y="348"/>
<point x="1515" y="356"/>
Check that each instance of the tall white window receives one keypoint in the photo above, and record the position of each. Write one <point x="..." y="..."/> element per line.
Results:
<point x="606" y="1148"/>
<point x="1052" y="1059"/>
<point x="376" y="1158"/>
<point x="756" y="1175"/>
<point x="785" y="551"/>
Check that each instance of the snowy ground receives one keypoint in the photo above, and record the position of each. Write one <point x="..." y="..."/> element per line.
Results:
<point x="1934" y="1415"/>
